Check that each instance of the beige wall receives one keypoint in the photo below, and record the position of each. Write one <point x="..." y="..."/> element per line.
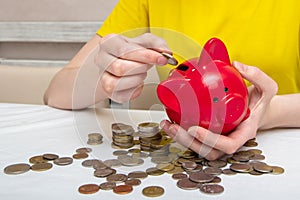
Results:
<point x="55" y="10"/>
<point x="49" y="10"/>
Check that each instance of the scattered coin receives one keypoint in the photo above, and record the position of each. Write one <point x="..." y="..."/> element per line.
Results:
<point x="201" y="177"/>
<point x="120" y="152"/>
<point x="84" y="150"/>
<point x="212" y="189"/>
<point x="50" y="156"/>
<point x="213" y="171"/>
<point x="118" y="178"/>
<point x="153" y="171"/>
<point x="241" y="167"/>
<point x="187" y="184"/>
<point x="217" y="163"/>
<point x="37" y="159"/>
<point x="17" y="168"/>
<point x="153" y="191"/>
<point x="107" y="185"/>
<point x="88" y="189"/>
<point x="228" y="172"/>
<point x="133" y="182"/>
<point x="123" y="189"/>
<point x="112" y="163"/>
<point x="137" y="175"/>
<point x="80" y="155"/>
<point x="277" y="170"/>
<point x="101" y="173"/>
<point x="41" y="166"/>
<point x="179" y="176"/>
<point x="63" y="161"/>
<point x="90" y="162"/>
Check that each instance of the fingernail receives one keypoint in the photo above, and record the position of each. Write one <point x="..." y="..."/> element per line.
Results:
<point x="162" y="60"/>
<point x="173" y="131"/>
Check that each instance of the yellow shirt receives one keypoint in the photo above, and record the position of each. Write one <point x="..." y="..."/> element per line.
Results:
<point x="262" y="33"/>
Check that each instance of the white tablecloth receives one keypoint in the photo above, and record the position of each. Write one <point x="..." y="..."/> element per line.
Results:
<point x="29" y="130"/>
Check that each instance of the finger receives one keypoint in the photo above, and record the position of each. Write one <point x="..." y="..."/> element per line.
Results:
<point x="151" y="41"/>
<point x="121" y="47"/>
<point x="180" y="136"/>
<point x="111" y="83"/>
<point x="121" y="67"/>
<point x="126" y="95"/>
<point x="257" y="77"/>
<point x="227" y="144"/>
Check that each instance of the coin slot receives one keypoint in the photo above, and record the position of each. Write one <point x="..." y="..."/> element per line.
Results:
<point x="182" y="67"/>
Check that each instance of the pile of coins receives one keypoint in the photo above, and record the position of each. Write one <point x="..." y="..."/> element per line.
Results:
<point x="190" y="171"/>
<point x="95" y="139"/>
<point x="122" y="135"/>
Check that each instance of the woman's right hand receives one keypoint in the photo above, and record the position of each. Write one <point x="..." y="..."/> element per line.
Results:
<point x="123" y="63"/>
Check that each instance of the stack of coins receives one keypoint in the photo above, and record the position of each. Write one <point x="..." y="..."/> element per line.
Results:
<point x="122" y="135"/>
<point x="149" y="133"/>
<point x="94" y="139"/>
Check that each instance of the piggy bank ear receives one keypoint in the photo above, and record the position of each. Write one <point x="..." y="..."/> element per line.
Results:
<point x="214" y="49"/>
<point x="234" y="109"/>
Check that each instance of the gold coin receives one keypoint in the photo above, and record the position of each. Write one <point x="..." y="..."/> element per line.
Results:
<point x="153" y="171"/>
<point x="123" y="189"/>
<point x="37" y="159"/>
<point x="88" y="189"/>
<point x="17" y="168"/>
<point x="153" y="191"/>
<point x="165" y="167"/>
<point x="277" y="170"/>
<point x="41" y="166"/>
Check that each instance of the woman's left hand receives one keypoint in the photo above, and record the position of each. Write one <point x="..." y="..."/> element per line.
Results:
<point x="212" y="145"/>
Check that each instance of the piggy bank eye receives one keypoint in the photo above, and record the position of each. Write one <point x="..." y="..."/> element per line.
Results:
<point x="226" y="89"/>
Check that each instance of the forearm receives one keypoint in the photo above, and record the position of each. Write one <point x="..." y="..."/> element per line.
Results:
<point x="283" y="111"/>
<point x="77" y="85"/>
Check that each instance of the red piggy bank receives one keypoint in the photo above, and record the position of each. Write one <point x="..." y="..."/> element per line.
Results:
<point x="206" y="91"/>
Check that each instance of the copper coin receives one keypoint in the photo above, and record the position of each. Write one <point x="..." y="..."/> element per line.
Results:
<point x="213" y="171"/>
<point x="138" y="174"/>
<point x="17" y="168"/>
<point x="241" y="167"/>
<point x="133" y="182"/>
<point x="50" y="156"/>
<point x="189" y="165"/>
<point x="179" y="176"/>
<point x="84" y="150"/>
<point x="187" y="184"/>
<point x="107" y="185"/>
<point x="80" y="155"/>
<point x="63" y="161"/>
<point x="123" y="189"/>
<point x="228" y="172"/>
<point x="201" y="177"/>
<point x="41" y="166"/>
<point x="217" y="163"/>
<point x="88" y="189"/>
<point x="212" y="189"/>
<point x="153" y="191"/>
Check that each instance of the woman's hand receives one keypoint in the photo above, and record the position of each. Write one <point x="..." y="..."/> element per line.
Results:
<point x="211" y="145"/>
<point x="124" y="62"/>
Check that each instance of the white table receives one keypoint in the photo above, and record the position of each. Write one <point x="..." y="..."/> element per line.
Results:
<point x="28" y="130"/>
